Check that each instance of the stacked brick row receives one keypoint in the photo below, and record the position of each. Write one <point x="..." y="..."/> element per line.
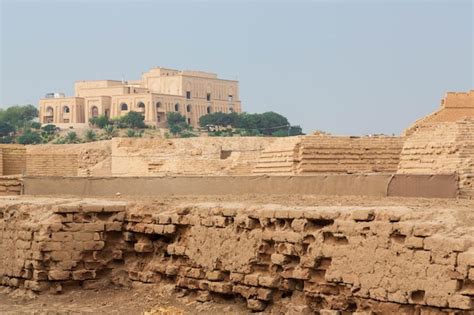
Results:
<point x="10" y="186"/>
<point x="13" y="159"/>
<point x="279" y="158"/>
<point x="442" y="148"/>
<point x="326" y="154"/>
<point x="388" y="260"/>
<point x="340" y="260"/>
<point x="70" y="243"/>
<point x="52" y="164"/>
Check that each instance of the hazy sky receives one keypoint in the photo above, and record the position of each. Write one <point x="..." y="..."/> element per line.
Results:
<point x="347" y="67"/>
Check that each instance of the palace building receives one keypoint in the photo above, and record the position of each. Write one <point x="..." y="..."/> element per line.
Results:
<point x="160" y="90"/>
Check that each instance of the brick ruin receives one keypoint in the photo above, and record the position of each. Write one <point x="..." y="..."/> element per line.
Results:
<point x="326" y="256"/>
<point x="305" y="259"/>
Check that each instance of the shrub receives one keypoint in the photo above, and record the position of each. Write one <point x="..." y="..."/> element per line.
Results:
<point x="132" y="120"/>
<point x="133" y="133"/>
<point x="71" y="137"/>
<point x="99" y="121"/>
<point x="110" y="131"/>
<point x="29" y="137"/>
<point x="90" y="135"/>
<point x="50" y="129"/>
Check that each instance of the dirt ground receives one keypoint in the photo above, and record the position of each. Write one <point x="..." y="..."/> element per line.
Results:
<point x="141" y="299"/>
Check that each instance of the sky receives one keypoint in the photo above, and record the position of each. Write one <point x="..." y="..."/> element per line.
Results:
<point x="344" y="67"/>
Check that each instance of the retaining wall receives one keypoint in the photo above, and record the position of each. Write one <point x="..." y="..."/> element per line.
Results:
<point x="440" y="186"/>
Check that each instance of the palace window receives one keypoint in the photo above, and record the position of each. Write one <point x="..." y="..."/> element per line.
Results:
<point x="176" y="107"/>
<point x="188" y="108"/>
<point x="188" y="95"/>
<point x="208" y="96"/>
<point x="123" y="106"/>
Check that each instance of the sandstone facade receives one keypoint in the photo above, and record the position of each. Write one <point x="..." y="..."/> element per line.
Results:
<point x="159" y="91"/>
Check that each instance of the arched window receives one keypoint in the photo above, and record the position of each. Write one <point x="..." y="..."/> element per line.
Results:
<point x="189" y="121"/>
<point x="94" y="111"/>
<point x="188" y="108"/>
<point x="49" y="115"/>
<point x="209" y="110"/>
<point x="231" y="109"/>
<point x="158" y="105"/>
<point x="141" y="105"/>
<point x="66" y="109"/>
<point x="123" y="106"/>
<point x="176" y="107"/>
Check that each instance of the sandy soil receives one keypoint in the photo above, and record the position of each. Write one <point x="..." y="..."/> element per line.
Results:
<point x="141" y="299"/>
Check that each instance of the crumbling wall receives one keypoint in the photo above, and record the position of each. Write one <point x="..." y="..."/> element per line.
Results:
<point x="383" y="259"/>
<point x="43" y="247"/>
<point x="328" y="154"/>
<point x="13" y="159"/>
<point x="442" y="148"/>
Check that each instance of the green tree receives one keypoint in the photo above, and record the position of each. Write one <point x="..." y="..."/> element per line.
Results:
<point x="132" y="120"/>
<point x="29" y="137"/>
<point x="6" y="129"/>
<point x="50" y="129"/>
<point x="100" y="121"/>
<point x="176" y="122"/>
<point x="18" y="116"/>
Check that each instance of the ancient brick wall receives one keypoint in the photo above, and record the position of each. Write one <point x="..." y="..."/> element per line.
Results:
<point x="194" y="156"/>
<point x="13" y="159"/>
<point x="279" y="158"/>
<point x="42" y="248"/>
<point x="10" y="185"/>
<point x="383" y="259"/>
<point x="442" y="148"/>
<point x="88" y="159"/>
<point x="455" y="106"/>
<point x="327" y="154"/>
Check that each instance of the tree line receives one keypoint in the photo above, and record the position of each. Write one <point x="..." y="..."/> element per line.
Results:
<point x="19" y="124"/>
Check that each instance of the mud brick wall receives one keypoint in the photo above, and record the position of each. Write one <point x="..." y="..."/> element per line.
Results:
<point x="455" y="106"/>
<point x="13" y="159"/>
<point x="327" y="154"/>
<point x="279" y="158"/>
<point x="10" y="185"/>
<point x="309" y="259"/>
<point x="442" y="148"/>
<point x="52" y="164"/>
<point x="331" y="259"/>
<point x="44" y="247"/>
<point x="196" y="156"/>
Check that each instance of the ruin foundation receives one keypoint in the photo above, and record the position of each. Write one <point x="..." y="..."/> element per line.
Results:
<point x="384" y="259"/>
